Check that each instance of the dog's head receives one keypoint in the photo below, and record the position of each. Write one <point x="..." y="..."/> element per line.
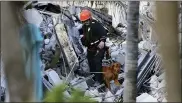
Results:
<point x="116" y="67"/>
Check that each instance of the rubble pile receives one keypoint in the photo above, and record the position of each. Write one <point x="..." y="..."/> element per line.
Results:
<point x="62" y="54"/>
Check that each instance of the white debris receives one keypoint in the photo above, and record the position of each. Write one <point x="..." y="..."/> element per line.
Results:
<point x="109" y="97"/>
<point x="124" y="45"/>
<point x="33" y="16"/>
<point x="114" y="48"/>
<point x="114" y="54"/>
<point x="145" y="97"/>
<point x="121" y="75"/>
<point x="145" y="45"/>
<point x="114" y="87"/>
<point x="161" y="77"/>
<point x="108" y="42"/>
<point x="164" y="100"/>
<point x="120" y="58"/>
<point x="46" y="41"/>
<point x="154" y="81"/>
<point x="52" y="42"/>
<point x="53" y="77"/>
<point x="82" y="86"/>
<point x="119" y="92"/>
<point x="162" y="84"/>
<point x="92" y="93"/>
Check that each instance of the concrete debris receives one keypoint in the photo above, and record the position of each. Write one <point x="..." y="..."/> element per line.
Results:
<point x="114" y="54"/>
<point x="120" y="58"/>
<point x="162" y="84"/>
<point x="154" y="82"/>
<point x="109" y="97"/>
<point x="161" y="77"/>
<point x="119" y="92"/>
<point x="46" y="41"/>
<point x="145" y="45"/>
<point x="113" y="48"/>
<point x="53" y="77"/>
<point x="114" y="88"/>
<point x="84" y="64"/>
<point x="158" y="87"/>
<point x="108" y="43"/>
<point x="82" y="86"/>
<point x="145" y="97"/>
<point x="92" y="93"/>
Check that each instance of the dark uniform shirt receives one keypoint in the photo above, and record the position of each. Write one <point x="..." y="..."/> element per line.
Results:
<point x="92" y="33"/>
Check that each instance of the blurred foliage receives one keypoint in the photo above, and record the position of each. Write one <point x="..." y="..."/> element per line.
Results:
<point x="57" y="95"/>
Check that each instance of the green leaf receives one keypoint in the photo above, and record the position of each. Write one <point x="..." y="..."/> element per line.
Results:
<point x="56" y="95"/>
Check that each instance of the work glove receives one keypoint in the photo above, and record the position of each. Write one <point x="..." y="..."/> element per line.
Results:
<point x="101" y="45"/>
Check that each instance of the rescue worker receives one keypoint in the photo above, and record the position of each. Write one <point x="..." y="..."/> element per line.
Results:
<point x="94" y="38"/>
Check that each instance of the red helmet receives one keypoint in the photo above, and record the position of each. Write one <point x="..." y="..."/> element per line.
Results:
<point x="85" y="15"/>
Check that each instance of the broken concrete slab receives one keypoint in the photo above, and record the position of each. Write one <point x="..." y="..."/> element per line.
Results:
<point x="68" y="51"/>
<point x="53" y="77"/>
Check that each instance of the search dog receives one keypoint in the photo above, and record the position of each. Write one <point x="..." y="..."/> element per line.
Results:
<point x="111" y="73"/>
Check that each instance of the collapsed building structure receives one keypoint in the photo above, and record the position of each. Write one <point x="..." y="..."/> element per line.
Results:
<point x="61" y="54"/>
